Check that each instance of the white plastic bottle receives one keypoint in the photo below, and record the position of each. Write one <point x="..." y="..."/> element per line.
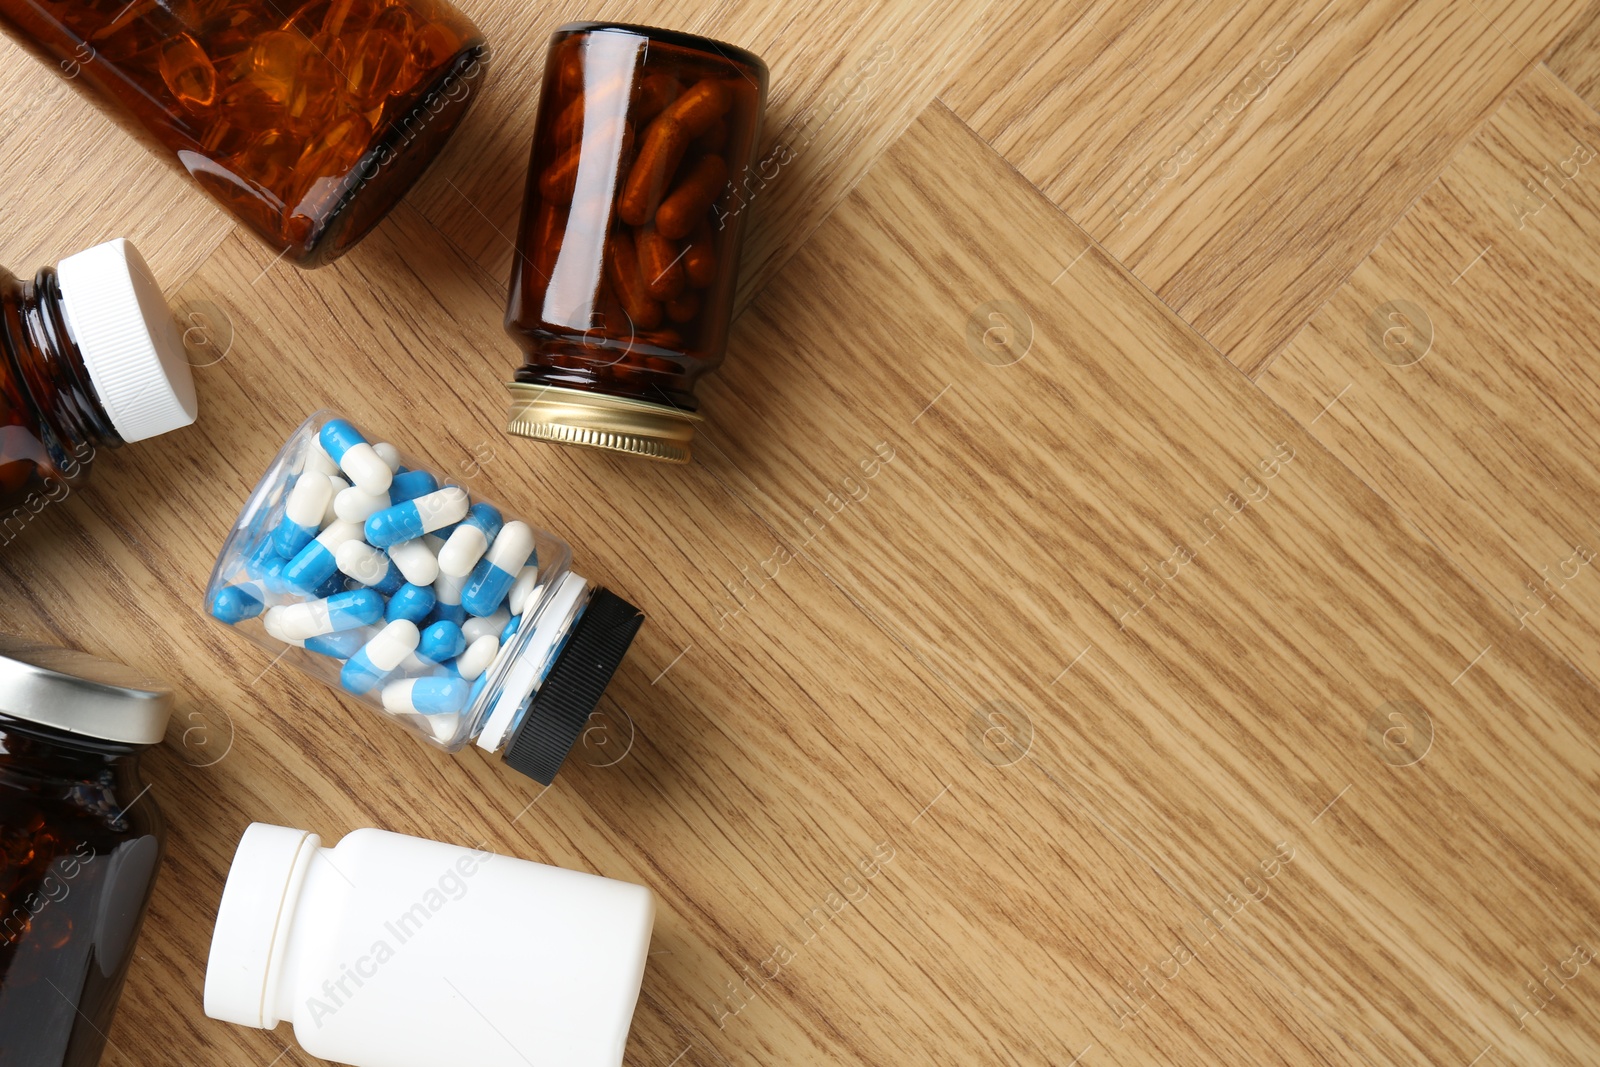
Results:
<point x="394" y="951"/>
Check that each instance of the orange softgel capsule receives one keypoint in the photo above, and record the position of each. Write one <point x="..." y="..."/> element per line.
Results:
<point x="639" y="188"/>
<point x="378" y="58"/>
<point x="309" y="122"/>
<point x="187" y="71"/>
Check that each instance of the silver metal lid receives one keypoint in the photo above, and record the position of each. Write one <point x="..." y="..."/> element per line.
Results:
<point x="73" y="691"/>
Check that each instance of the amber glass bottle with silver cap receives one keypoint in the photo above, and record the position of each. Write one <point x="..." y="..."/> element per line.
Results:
<point x="639" y="191"/>
<point x="80" y="840"/>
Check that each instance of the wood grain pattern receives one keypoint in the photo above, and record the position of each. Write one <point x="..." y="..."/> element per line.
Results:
<point x="1022" y="683"/>
<point x="1231" y="712"/>
<point x="1485" y="435"/>
<point x="1244" y="165"/>
<point x="1576" y="59"/>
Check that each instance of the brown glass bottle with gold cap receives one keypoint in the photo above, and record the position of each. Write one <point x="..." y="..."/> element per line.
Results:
<point x="307" y="120"/>
<point x="639" y="191"/>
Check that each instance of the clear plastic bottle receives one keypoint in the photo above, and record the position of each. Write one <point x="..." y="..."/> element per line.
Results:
<point x="308" y="121"/>
<point x="92" y="359"/>
<point x="395" y="951"/>
<point x="80" y="842"/>
<point x="639" y="191"/>
<point x="514" y="661"/>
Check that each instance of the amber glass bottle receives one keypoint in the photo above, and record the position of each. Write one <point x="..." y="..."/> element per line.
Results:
<point x="80" y="841"/>
<point x="307" y="120"/>
<point x="90" y="357"/>
<point x="638" y="194"/>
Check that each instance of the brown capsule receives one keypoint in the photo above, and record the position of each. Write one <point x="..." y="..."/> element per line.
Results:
<point x="569" y="69"/>
<point x="569" y="123"/>
<point x="684" y="307"/>
<point x="659" y="154"/>
<point x="560" y="178"/>
<point x="608" y="320"/>
<point x="549" y="229"/>
<point x="652" y="95"/>
<point x="699" y="107"/>
<point x="693" y="197"/>
<point x="715" y="139"/>
<point x="623" y="264"/>
<point x="700" y="257"/>
<point x="663" y="145"/>
<point x="430" y="48"/>
<point x="659" y="264"/>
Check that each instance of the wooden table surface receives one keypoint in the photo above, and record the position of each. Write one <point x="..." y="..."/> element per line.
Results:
<point x="1136" y="599"/>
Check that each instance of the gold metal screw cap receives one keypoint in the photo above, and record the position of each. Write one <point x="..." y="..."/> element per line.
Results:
<point x="595" y="420"/>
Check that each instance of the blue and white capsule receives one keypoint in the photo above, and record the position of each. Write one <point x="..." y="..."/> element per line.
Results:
<point x="318" y="460"/>
<point x="369" y="566"/>
<point x="412" y="519"/>
<point x="470" y="540"/>
<point x="494" y="575"/>
<point x="378" y="658"/>
<point x="313" y="618"/>
<point x="410" y="602"/>
<point x="329" y="514"/>
<point x="447" y="599"/>
<point x="444" y="726"/>
<point x="484" y="625"/>
<point x="513" y="624"/>
<point x="341" y="644"/>
<point x="415" y="560"/>
<point x="411" y="484"/>
<point x="441" y="641"/>
<point x="234" y="604"/>
<point x="334" y="584"/>
<point x="316" y="562"/>
<point x="302" y="513"/>
<point x="433" y="694"/>
<point x="358" y="459"/>
<point x="389" y="454"/>
<point x="524" y="588"/>
<point x="476" y="659"/>
<point x="264" y="565"/>
<point x="355" y="504"/>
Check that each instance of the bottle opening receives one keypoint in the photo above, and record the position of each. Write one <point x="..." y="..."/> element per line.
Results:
<point x="526" y="661"/>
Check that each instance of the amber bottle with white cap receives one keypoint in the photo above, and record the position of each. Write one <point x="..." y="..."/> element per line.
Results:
<point x="93" y="359"/>
<point x="395" y="951"/>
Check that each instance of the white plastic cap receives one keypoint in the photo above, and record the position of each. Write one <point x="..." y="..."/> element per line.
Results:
<point x="268" y="870"/>
<point x="129" y="340"/>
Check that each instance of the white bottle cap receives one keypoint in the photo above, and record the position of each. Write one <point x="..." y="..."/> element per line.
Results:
<point x="268" y="870"/>
<point x="129" y="340"/>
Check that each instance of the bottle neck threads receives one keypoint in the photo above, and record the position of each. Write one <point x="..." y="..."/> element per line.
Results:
<point x="53" y="371"/>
